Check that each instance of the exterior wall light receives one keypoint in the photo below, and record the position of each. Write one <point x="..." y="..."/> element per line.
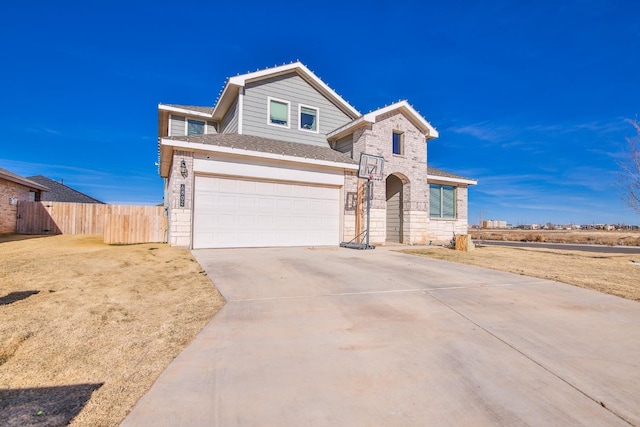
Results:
<point x="183" y="169"/>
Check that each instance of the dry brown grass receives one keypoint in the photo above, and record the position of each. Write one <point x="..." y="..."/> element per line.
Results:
<point x="610" y="273"/>
<point x="104" y="323"/>
<point x="589" y="237"/>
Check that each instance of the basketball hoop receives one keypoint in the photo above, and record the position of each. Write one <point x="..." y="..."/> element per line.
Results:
<point x="371" y="167"/>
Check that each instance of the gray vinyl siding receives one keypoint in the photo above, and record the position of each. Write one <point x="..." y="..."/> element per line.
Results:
<point x="345" y="145"/>
<point x="177" y="125"/>
<point x="293" y="88"/>
<point x="229" y="123"/>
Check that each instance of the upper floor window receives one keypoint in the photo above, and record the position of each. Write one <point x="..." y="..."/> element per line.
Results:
<point x="442" y="201"/>
<point x="308" y="119"/>
<point x="195" y="127"/>
<point x="278" y="112"/>
<point x="398" y="142"/>
<point x="181" y="125"/>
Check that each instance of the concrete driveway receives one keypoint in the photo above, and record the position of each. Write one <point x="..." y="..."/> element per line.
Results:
<point x="326" y="337"/>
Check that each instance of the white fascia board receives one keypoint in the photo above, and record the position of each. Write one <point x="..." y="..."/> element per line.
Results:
<point x="183" y="111"/>
<point x="195" y="146"/>
<point x="242" y="79"/>
<point x="438" y="178"/>
<point x="225" y="100"/>
<point x="429" y="131"/>
<point x="345" y="130"/>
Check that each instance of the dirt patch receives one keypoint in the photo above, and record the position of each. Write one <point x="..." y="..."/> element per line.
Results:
<point x="610" y="273"/>
<point x="97" y="320"/>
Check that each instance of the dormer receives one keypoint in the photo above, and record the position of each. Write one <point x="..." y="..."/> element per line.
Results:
<point x="184" y="120"/>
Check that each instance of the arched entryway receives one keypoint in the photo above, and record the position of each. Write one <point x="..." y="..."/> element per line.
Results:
<point x="394" y="209"/>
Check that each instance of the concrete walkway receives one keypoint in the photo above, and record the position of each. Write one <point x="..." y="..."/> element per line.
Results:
<point x="326" y="337"/>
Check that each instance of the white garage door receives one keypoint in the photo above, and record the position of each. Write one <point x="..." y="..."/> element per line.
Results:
<point x="230" y="213"/>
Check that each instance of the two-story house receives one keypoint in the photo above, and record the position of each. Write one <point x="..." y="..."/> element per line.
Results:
<point x="274" y="163"/>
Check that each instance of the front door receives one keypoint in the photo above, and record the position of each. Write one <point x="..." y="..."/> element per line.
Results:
<point x="394" y="209"/>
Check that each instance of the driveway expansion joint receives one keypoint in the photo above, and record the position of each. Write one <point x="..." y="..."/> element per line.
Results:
<point x="336" y="294"/>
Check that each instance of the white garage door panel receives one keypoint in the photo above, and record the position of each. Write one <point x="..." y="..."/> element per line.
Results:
<point x="238" y="213"/>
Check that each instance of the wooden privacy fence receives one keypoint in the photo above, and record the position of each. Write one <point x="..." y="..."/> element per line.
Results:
<point x="117" y="223"/>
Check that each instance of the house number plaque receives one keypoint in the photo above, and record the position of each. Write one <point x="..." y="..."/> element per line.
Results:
<point x="182" y="195"/>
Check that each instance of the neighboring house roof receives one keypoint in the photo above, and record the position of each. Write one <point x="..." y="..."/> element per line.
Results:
<point x="441" y="175"/>
<point x="61" y="193"/>
<point x="187" y="109"/>
<point x="266" y="145"/>
<point x="10" y="176"/>
<point x="403" y="106"/>
<point x="232" y="88"/>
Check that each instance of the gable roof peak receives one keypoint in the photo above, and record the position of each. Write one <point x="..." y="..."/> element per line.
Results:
<point x="372" y="116"/>
<point x="232" y="87"/>
<point x="404" y="106"/>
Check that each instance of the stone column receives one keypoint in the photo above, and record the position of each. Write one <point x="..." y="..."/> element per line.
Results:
<point x="180" y="209"/>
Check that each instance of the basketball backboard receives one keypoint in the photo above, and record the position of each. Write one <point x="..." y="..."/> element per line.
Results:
<point x="371" y="167"/>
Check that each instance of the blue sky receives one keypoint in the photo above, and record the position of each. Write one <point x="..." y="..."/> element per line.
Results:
<point x="530" y="99"/>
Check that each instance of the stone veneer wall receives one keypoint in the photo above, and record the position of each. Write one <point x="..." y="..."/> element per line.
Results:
<point x="180" y="217"/>
<point x="410" y="167"/>
<point x="8" y="211"/>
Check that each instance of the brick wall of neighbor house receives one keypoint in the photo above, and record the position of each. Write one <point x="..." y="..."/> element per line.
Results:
<point x="179" y="232"/>
<point x="442" y="230"/>
<point x="8" y="211"/>
<point x="410" y="167"/>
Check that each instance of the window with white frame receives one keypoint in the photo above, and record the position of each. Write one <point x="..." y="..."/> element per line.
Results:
<point x="195" y="127"/>
<point x="278" y="112"/>
<point x="308" y="118"/>
<point x="181" y="125"/>
<point x="442" y="201"/>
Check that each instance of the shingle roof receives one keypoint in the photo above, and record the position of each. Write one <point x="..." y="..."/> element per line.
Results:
<point x="206" y="110"/>
<point x="266" y="145"/>
<point x="8" y="175"/>
<point x="439" y="172"/>
<point x="61" y="193"/>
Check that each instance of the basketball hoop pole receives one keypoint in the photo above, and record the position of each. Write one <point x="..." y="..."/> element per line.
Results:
<point x="368" y="207"/>
<point x="370" y="166"/>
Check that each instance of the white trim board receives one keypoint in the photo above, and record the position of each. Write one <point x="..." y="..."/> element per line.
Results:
<point x="195" y="146"/>
<point x="163" y="107"/>
<point x="437" y="179"/>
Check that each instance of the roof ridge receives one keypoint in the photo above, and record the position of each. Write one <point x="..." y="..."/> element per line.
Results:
<point x="52" y="183"/>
